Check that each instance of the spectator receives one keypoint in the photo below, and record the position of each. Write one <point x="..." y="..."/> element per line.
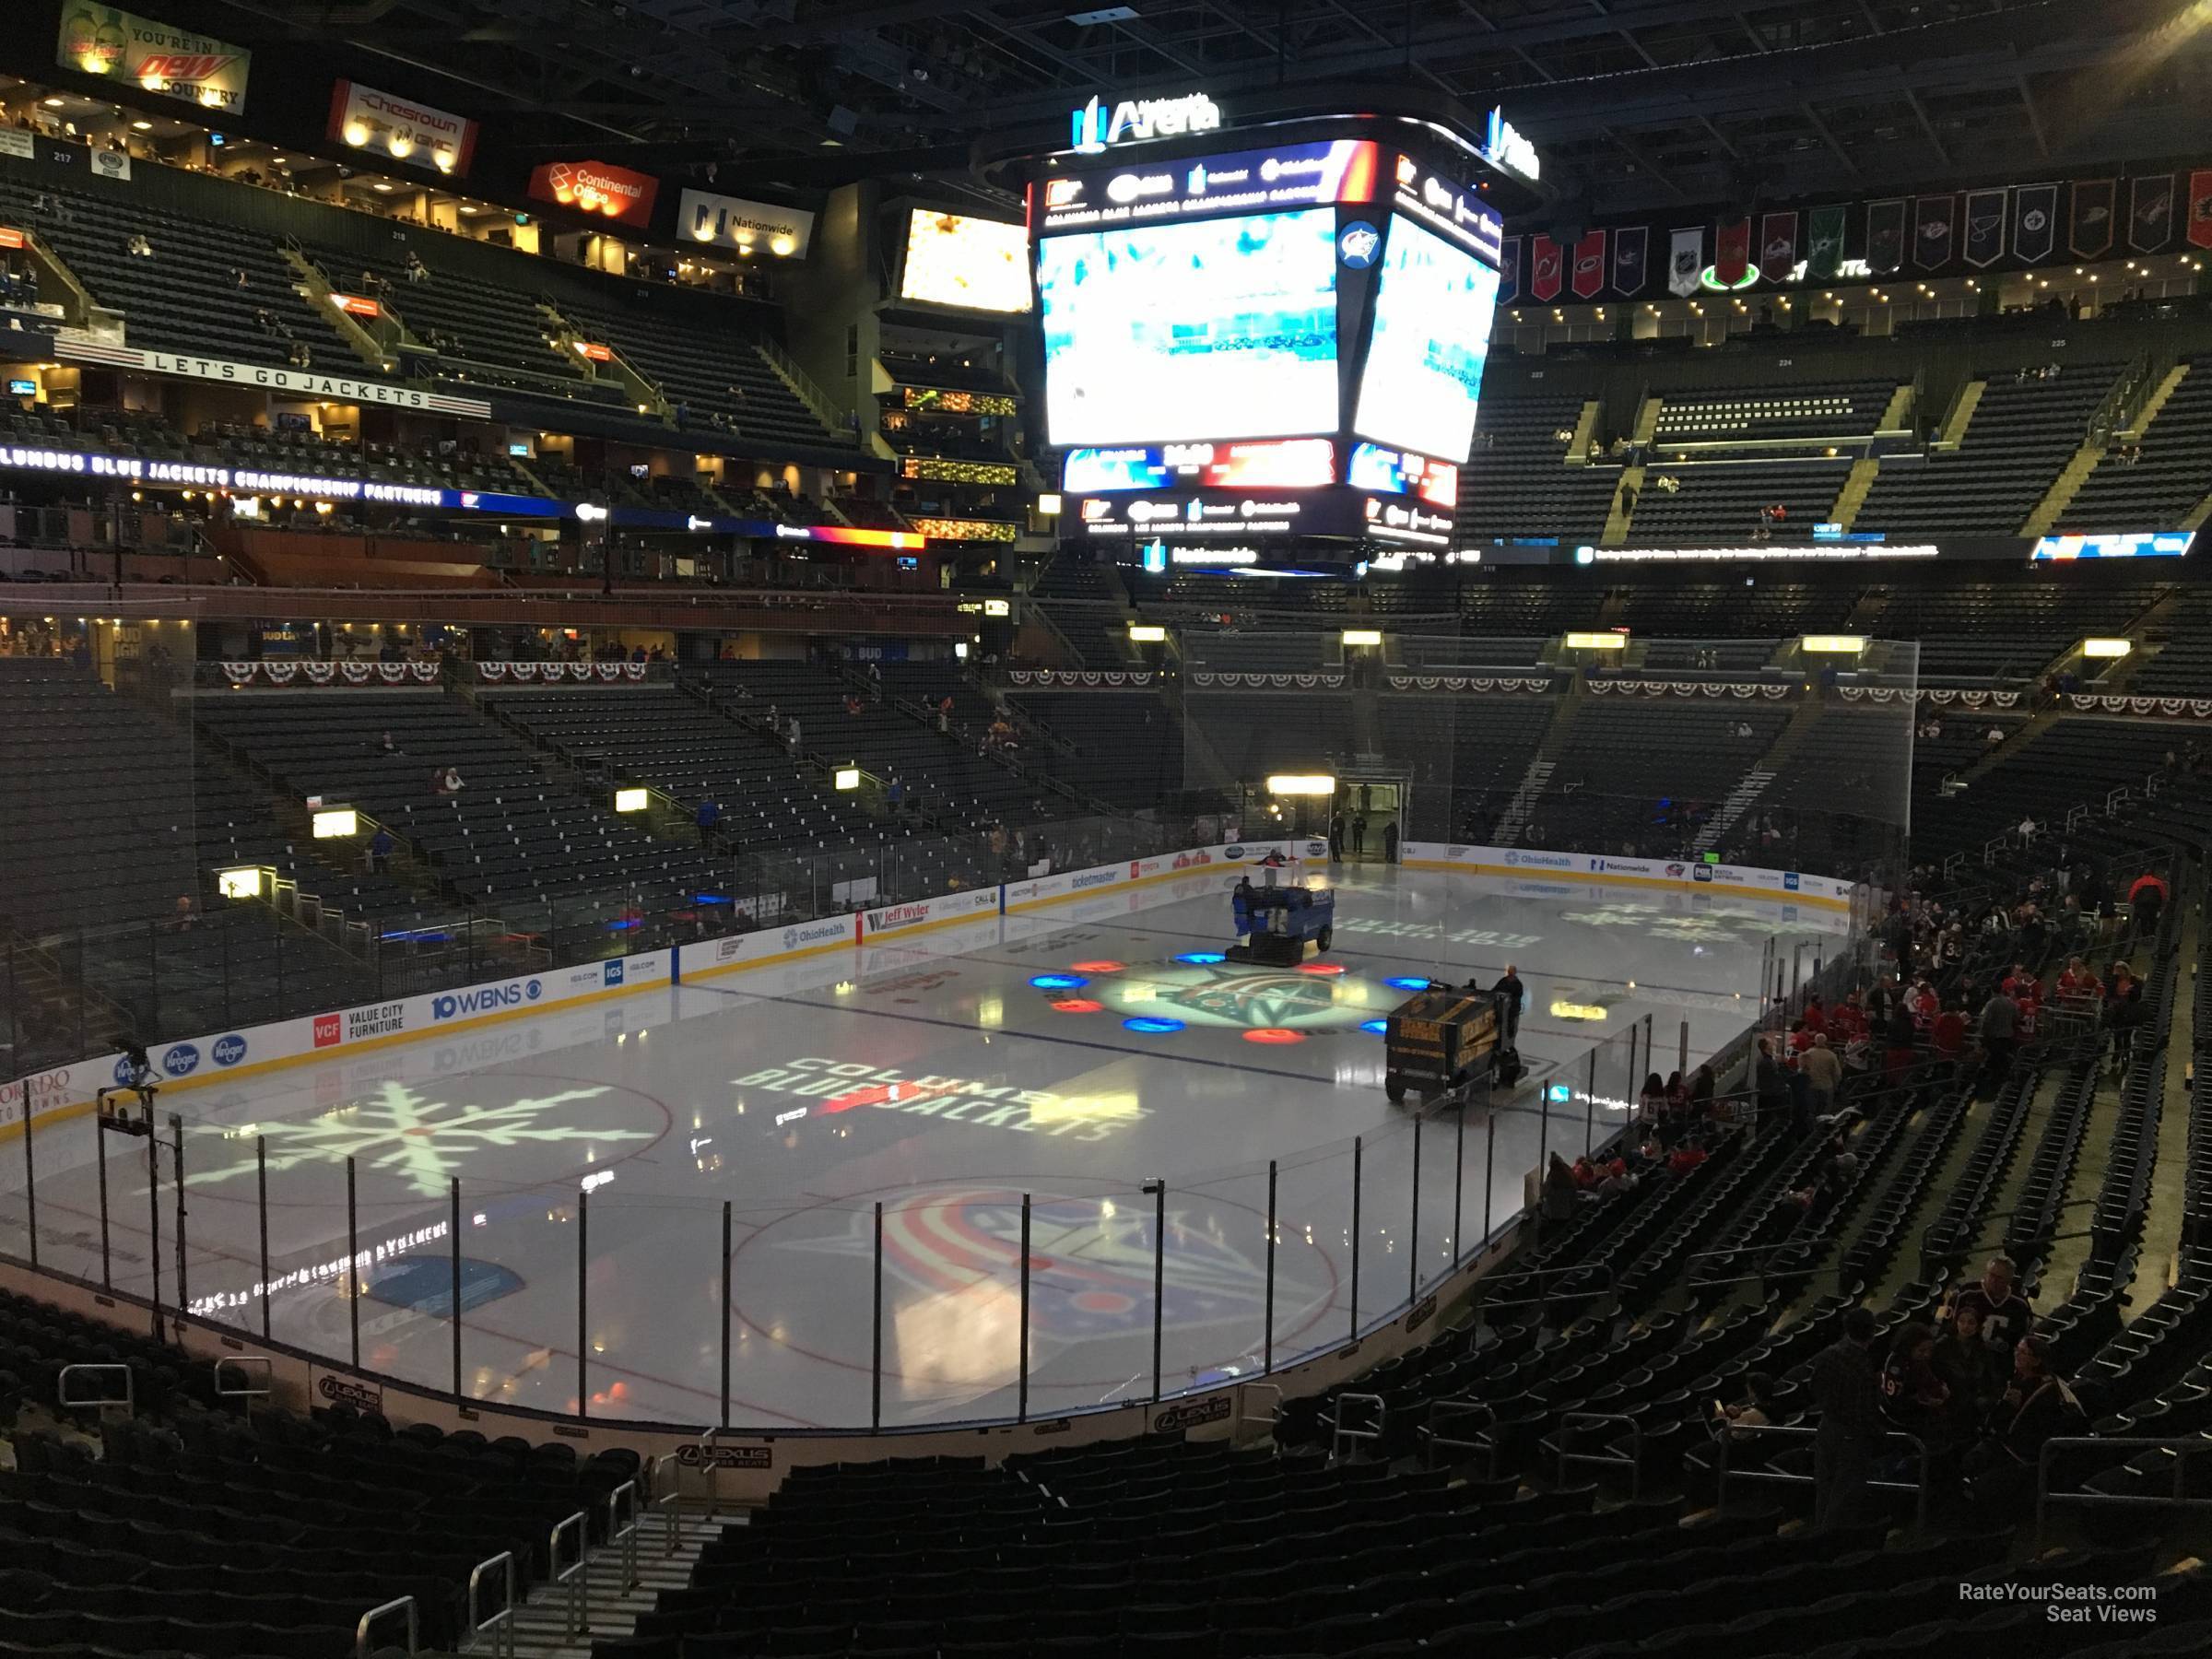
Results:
<point x="1843" y="1392"/>
<point x="1509" y="993"/>
<point x="380" y="851"/>
<point x="1651" y="1105"/>
<point x="709" y="818"/>
<point x="1901" y="1040"/>
<point x="2002" y="1313"/>
<point x="1949" y="1034"/>
<point x="1359" y="835"/>
<point x="1998" y="1027"/>
<point x="2039" y="1406"/>
<point x="1756" y="1409"/>
<point x="185" y="916"/>
<point x="416" y="270"/>
<point x="1972" y="1371"/>
<point x="791" y="733"/>
<point x="1993" y="738"/>
<point x="385" y="746"/>
<point x="2146" y="899"/>
<point x="1688" y="1157"/>
<point x="1702" y="1086"/>
<point x="1561" y="1193"/>
<point x="1769" y="1083"/>
<point x="1823" y="1072"/>
<point x="447" y="780"/>
<point x="1390" y="841"/>
<point x="140" y="247"/>
<point x="2124" y="1011"/>
<point x="1913" y="1396"/>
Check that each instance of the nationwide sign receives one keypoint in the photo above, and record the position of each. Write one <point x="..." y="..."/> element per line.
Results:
<point x="597" y="187"/>
<point x="1448" y="209"/>
<point x="736" y="222"/>
<point x="1294" y="175"/>
<point x="1098" y="127"/>
<point x="176" y="62"/>
<point x="436" y="140"/>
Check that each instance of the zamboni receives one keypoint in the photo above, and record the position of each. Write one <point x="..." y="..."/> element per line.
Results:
<point x="1274" y="923"/>
<point x="1440" y="1039"/>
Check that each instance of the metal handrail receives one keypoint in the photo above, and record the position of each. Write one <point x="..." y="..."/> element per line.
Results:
<point x="1239" y="1417"/>
<point x="627" y="1536"/>
<point x="669" y="1502"/>
<point x="247" y="1393"/>
<point x="1603" y="1460"/>
<point x="569" y="1581"/>
<point x="130" y="1388"/>
<point x="2182" y="1449"/>
<point x="501" y="1623"/>
<point x="360" y="1631"/>
<point x="1733" y="1432"/>
<point x="1449" y="1410"/>
<point x="1484" y="1303"/>
<point x="1340" y="1432"/>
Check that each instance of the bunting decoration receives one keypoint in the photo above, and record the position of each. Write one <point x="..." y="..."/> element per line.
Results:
<point x="1827" y="236"/>
<point x="2090" y="232"/>
<point x="1934" y="232"/>
<point x="1086" y="679"/>
<point x="2150" y="213"/>
<point x="1629" y="249"/>
<point x="1267" y="682"/>
<point x="1886" y="236"/>
<point x="1686" y="260"/>
<point x="1985" y="241"/>
<point x="1777" y="246"/>
<point x="318" y="673"/>
<point x="1509" y="270"/>
<point x="1457" y="682"/>
<point x="1589" y="280"/>
<point x="1732" y="250"/>
<point x="1546" y="258"/>
<point x="2034" y="222"/>
<point x="2200" y="209"/>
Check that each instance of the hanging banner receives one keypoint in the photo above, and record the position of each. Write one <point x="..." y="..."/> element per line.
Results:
<point x="597" y="187"/>
<point x="2089" y="232"/>
<point x="1777" y="246"/>
<point x="1629" y="250"/>
<point x="414" y="134"/>
<point x="1589" y="279"/>
<point x="1984" y="228"/>
<point x="1886" y="236"/>
<point x="1509" y="270"/>
<point x="2150" y="213"/>
<point x="2034" y="221"/>
<point x="1935" y="226"/>
<point x="182" y="64"/>
<point x="2199" y="231"/>
<point x="1685" y="262"/>
<point x="1826" y="257"/>
<point x="744" y="224"/>
<point x="1731" y="252"/>
<point x="1548" y="257"/>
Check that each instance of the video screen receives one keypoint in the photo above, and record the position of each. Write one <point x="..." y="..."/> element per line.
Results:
<point x="977" y="264"/>
<point x="1225" y="328"/>
<point x="1431" y="337"/>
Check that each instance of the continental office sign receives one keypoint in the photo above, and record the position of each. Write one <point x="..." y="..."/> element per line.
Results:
<point x="177" y="63"/>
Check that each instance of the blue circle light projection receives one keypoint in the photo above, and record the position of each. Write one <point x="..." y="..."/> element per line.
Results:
<point x="1059" y="982"/>
<point x="1202" y="959"/>
<point x="1407" y="984"/>
<point x="1378" y="1027"/>
<point x="1152" y="1028"/>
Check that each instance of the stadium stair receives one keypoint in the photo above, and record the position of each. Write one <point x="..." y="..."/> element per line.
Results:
<point x="1541" y="764"/>
<point x="1619" y="513"/>
<point x="316" y="289"/>
<point x="1853" y="496"/>
<point x="1753" y="784"/>
<point x="1586" y="433"/>
<point x="1952" y="433"/>
<point x="2064" y="488"/>
<point x="568" y="340"/>
<point x="1647" y="421"/>
<point x="613" y="1604"/>
<point x="2160" y="1263"/>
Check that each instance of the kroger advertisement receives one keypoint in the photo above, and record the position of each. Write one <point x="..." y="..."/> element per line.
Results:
<point x="1431" y="339"/>
<point x="1221" y="329"/>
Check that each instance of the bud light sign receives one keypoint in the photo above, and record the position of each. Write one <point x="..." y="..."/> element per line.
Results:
<point x="484" y="999"/>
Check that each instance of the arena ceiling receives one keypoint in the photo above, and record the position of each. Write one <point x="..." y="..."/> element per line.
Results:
<point x="1636" y="104"/>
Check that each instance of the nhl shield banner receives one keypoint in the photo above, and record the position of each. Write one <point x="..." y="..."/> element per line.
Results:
<point x="1686" y="260"/>
<point x="2034" y="222"/>
<point x="1545" y="258"/>
<point x="1629" y="248"/>
<point x="1589" y="280"/>
<point x="2150" y="213"/>
<point x="1934" y="232"/>
<point x="2090" y="231"/>
<point x="1732" y="250"/>
<point x="2200" y="209"/>
<point x="1886" y="236"/>
<point x="1983" y="243"/>
<point x="1826" y="256"/>
<point x="1777" y="246"/>
<point x="1509" y="270"/>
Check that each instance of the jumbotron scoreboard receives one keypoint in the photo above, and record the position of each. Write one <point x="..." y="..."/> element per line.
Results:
<point x="1257" y="355"/>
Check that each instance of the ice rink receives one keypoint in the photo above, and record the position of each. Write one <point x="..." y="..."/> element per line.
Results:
<point x="1073" y="1056"/>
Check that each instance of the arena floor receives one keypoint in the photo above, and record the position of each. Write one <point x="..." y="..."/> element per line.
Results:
<point x="938" y="1078"/>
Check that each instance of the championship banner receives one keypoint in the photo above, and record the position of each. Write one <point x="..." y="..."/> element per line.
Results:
<point x="1509" y="270"/>
<point x="1589" y="279"/>
<point x="1934" y="230"/>
<point x="1984" y="228"/>
<point x="1826" y="257"/>
<point x="1886" y="236"/>
<point x="1628" y="253"/>
<point x="2150" y="213"/>
<point x="1548" y="258"/>
<point x="1731" y="252"/>
<point x="1777" y="246"/>
<point x="2200" y="209"/>
<point x="2090" y="233"/>
<point x="414" y="134"/>
<point x="2034" y="221"/>
<point x="1686" y="260"/>
<point x="182" y="64"/>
